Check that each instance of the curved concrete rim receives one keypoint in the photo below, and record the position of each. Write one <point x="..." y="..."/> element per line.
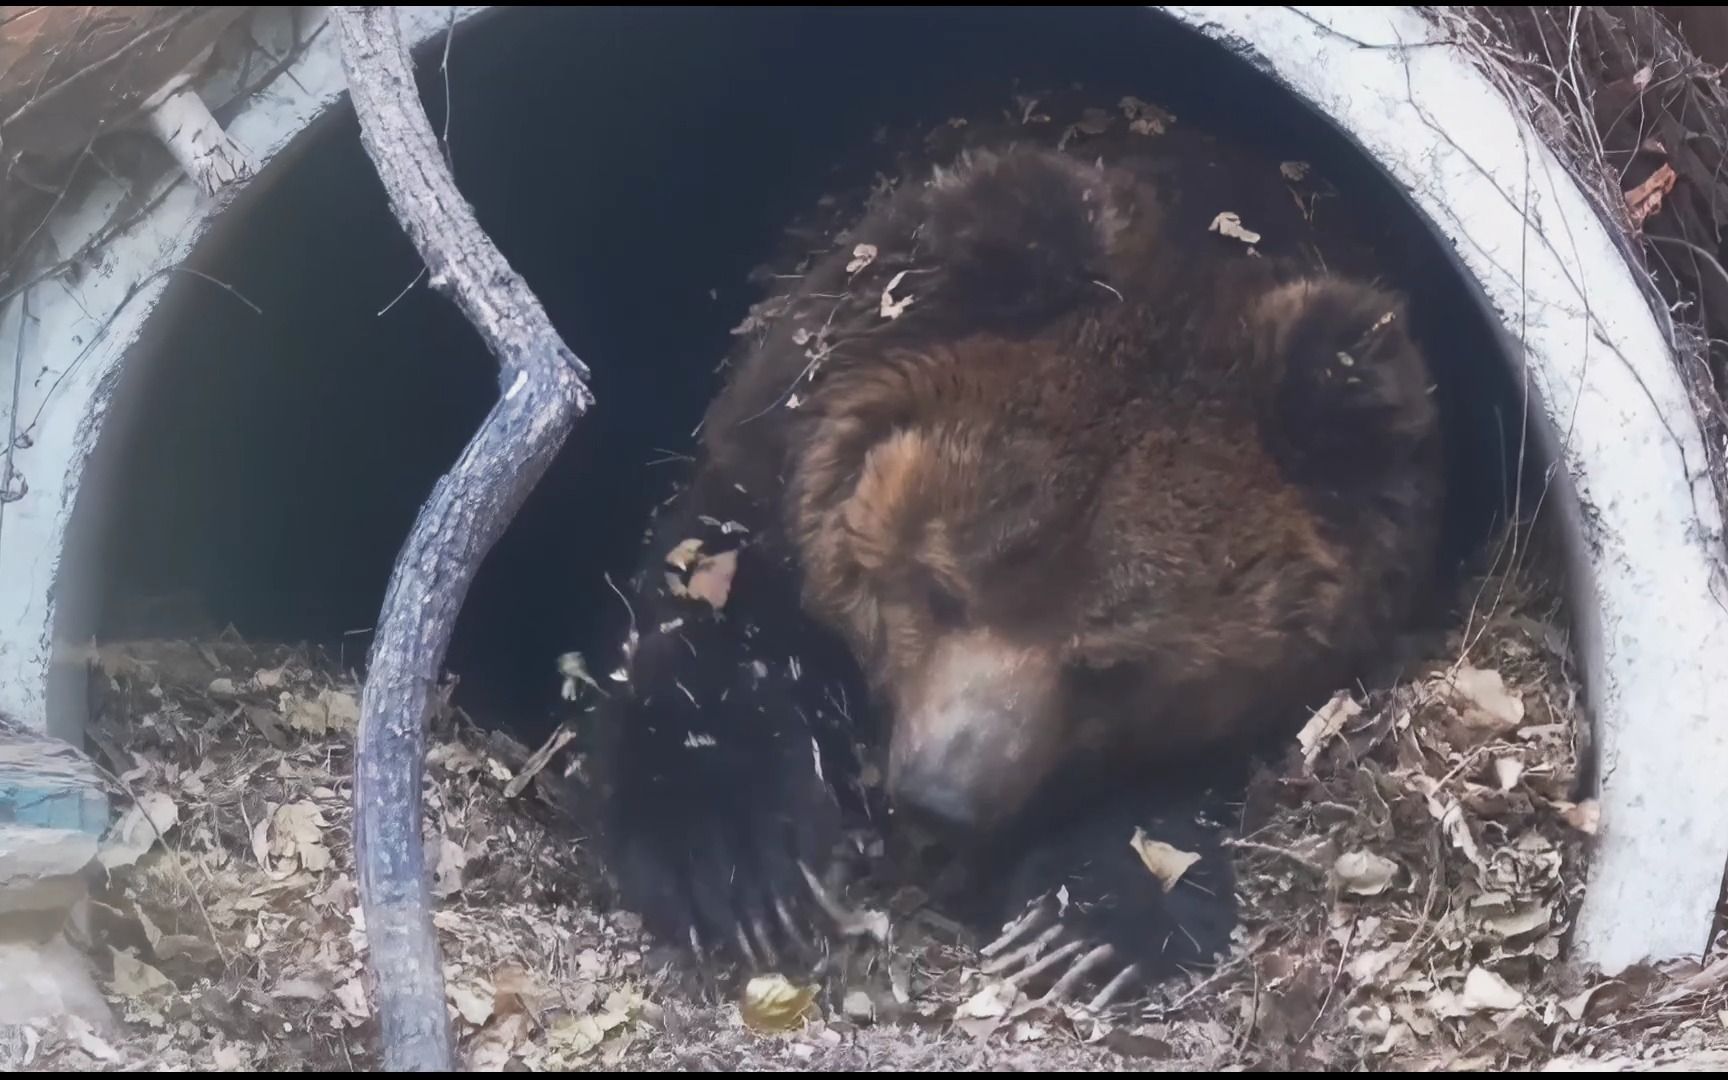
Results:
<point x="1643" y="527"/>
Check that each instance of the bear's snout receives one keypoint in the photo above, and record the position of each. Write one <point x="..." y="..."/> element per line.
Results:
<point x="975" y="732"/>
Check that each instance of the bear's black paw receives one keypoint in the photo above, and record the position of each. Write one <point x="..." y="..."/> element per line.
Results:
<point x="1089" y="911"/>
<point x="715" y="818"/>
<point x="720" y="862"/>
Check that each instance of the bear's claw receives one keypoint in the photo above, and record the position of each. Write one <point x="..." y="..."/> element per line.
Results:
<point x="1048" y="955"/>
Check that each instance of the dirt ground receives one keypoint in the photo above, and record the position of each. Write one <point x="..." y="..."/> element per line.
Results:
<point x="1408" y="877"/>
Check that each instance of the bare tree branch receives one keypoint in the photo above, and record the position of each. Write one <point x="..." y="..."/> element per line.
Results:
<point x="544" y="390"/>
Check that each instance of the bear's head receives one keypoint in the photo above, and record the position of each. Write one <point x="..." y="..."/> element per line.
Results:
<point x="1071" y="537"/>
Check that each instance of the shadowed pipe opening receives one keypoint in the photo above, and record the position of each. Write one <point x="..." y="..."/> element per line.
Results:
<point x="633" y="166"/>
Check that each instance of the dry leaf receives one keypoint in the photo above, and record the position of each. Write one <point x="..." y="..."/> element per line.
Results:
<point x="261" y="836"/>
<point x="88" y="1041"/>
<point x="1646" y="199"/>
<point x="538" y="759"/>
<point x="1166" y="863"/>
<point x="1706" y="981"/>
<point x="473" y="1001"/>
<point x="1507" y="771"/>
<point x="1368" y="964"/>
<point x="685" y="554"/>
<point x="862" y="255"/>
<point x="1483" y="701"/>
<point x="1450" y="815"/>
<point x="133" y="978"/>
<point x="297" y="833"/>
<point x="493" y="1048"/>
<point x="1230" y="224"/>
<point x="299" y="990"/>
<point x="990" y="1003"/>
<point x="771" y="1003"/>
<point x="1325" y="725"/>
<point x="1145" y="118"/>
<point x="351" y="995"/>
<point x="515" y="990"/>
<point x="858" y="1007"/>
<point x="1294" y="171"/>
<point x="1576" y="1005"/>
<point x="710" y="575"/>
<point x="576" y="1035"/>
<point x="712" y="579"/>
<point x="1484" y="990"/>
<point x="331" y="710"/>
<point x="574" y="667"/>
<point x="138" y="829"/>
<point x="447" y="879"/>
<point x="892" y="308"/>
<point x="342" y="708"/>
<point x="1526" y="919"/>
<point x="1364" y="873"/>
<point x="1586" y="816"/>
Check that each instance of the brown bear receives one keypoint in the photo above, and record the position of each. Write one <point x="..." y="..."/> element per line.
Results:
<point x="1027" y="505"/>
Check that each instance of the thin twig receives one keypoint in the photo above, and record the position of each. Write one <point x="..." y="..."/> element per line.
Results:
<point x="6" y="466"/>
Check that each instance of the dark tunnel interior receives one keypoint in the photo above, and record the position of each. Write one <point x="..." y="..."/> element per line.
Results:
<point x="633" y="165"/>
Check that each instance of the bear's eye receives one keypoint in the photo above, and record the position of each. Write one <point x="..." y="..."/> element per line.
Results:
<point x="948" y="610"/>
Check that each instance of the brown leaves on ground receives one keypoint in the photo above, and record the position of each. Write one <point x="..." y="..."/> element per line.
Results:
<point x="1440" y="809"/>
<point x="235" y="937"/>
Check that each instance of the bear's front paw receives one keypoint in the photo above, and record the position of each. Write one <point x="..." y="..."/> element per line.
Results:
<point x="1115" y="902"/>
<point x="713" y="845"/>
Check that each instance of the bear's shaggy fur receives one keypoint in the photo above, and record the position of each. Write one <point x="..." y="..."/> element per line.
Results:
<point x="1028" y="505"/>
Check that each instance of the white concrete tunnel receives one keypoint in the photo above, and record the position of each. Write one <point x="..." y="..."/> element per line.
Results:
<point x="1640" y="521"/>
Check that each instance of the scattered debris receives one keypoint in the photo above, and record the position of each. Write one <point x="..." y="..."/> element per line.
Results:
<point x="1364" y="873"/>
<point x="1165" y="863"/>
<point x="1229" y="224"/>
<point x="710" y="576"/>
<point x="892" y="308"/>
<point x="1145" y="118"/>
<point x="139" y="829"/>
<point x="1325" y="725"/>
<point x="1646" y="199"/>
<point x="574" y="667"/>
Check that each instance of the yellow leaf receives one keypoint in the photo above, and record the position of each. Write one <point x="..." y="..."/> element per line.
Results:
<point x="771" y="1003"/>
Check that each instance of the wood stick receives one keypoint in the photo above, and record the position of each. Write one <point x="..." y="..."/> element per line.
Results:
<point x="543" y="392"/>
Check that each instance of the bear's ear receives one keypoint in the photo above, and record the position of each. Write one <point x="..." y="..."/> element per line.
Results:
<point x="1020" y="234"/>
<point x="1351" y="386"/>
